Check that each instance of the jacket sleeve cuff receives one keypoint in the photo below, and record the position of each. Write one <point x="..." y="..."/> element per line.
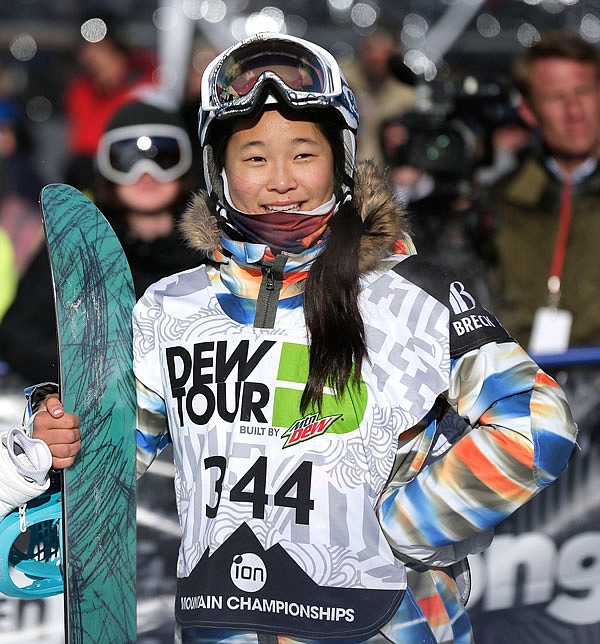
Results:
<point x="31" y="457"/>
<point x="442" y="556"/>
<point x="22" y="479"/>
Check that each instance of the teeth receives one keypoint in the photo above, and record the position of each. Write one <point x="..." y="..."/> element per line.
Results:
<point x="283" y="208"/>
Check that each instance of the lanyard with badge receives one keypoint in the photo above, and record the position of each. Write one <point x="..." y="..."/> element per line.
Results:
<point x="551" y="327"/>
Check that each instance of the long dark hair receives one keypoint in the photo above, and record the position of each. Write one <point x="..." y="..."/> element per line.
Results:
<point x="335" y="325"/>
<point x="337" y="334"/>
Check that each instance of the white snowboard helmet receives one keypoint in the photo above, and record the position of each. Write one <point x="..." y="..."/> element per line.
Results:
<point x="273" y="68"/>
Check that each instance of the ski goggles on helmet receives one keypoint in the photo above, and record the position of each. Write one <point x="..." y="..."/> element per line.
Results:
<point x="124" y="154"/>
<point x="303" y="74"/>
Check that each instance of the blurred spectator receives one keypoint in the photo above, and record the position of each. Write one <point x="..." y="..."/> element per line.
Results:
<point x="20" y="176"/>
<point x="430" y="162"/>
<point x="20" y="186"/>
<point x="549" y="206"/>
<point x="378" y="92"/>
<point x="109" y="73"/>
<point x="202" y="53"/>
<point x="142" y="186"/>
<point x="8" y="272"/>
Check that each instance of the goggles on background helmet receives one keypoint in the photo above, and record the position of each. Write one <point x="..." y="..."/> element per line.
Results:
<point x="126" y="153"/>
<point x="305" y="77"/>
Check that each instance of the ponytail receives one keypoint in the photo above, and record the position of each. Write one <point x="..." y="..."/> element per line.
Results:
<point x="337" y="333"/>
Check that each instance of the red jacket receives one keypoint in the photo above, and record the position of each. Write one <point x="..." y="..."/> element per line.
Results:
<point x="88" y="110"/>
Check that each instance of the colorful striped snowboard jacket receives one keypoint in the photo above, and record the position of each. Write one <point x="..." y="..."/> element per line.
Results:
<point x="353" y="521"/>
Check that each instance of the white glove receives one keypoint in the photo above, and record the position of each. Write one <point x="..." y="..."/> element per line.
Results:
<point x="24" y="463"/>
<point x="31" y="457"/>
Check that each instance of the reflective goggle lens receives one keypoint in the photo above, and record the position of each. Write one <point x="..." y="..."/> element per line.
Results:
<point x="297" y="67"/>
<point x="163" y="150"/>
<point x="125" y="153"/>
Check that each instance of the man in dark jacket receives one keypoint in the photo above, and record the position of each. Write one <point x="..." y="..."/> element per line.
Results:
<point x="549" y="207"/>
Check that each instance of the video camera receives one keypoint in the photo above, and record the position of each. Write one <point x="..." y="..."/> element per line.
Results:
<point x="451" y="125"/>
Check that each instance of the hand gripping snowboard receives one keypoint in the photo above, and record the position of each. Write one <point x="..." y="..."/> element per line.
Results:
<point x="94" y="300"/>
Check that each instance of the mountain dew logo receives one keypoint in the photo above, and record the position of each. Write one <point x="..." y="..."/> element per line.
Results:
<point x="339" y="414"/>
<point x="307" y="428"/>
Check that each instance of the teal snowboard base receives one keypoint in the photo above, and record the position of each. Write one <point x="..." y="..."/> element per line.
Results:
<point x="94" y="300"/>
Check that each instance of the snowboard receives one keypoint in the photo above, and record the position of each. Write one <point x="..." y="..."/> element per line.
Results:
<point x="94" y="298"/>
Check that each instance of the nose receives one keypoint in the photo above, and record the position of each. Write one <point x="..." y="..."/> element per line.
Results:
<point x="282" y="178"/>
<point x="574" y="106"/>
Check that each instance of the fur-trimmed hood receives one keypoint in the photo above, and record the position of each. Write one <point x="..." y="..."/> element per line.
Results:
<point x="381" y="212"/>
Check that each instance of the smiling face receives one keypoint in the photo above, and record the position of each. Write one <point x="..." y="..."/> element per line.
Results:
<point x="564" y="104"/>
<point x="276" y="164"/>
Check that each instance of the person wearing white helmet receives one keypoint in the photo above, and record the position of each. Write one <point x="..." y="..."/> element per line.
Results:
<point x="303" y="373"/>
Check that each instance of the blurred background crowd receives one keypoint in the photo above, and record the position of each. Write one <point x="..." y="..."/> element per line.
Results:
<point x="498" y="176"/>
<point x="438" y="104"/>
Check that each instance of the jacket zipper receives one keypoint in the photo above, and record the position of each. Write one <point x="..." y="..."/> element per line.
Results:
<point x="268" y="296"/>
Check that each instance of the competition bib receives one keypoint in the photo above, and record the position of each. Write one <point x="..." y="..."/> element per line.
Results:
<point x="285" y="537"/>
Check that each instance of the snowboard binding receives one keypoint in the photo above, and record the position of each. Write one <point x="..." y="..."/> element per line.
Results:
<point x="30" y="547"/>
